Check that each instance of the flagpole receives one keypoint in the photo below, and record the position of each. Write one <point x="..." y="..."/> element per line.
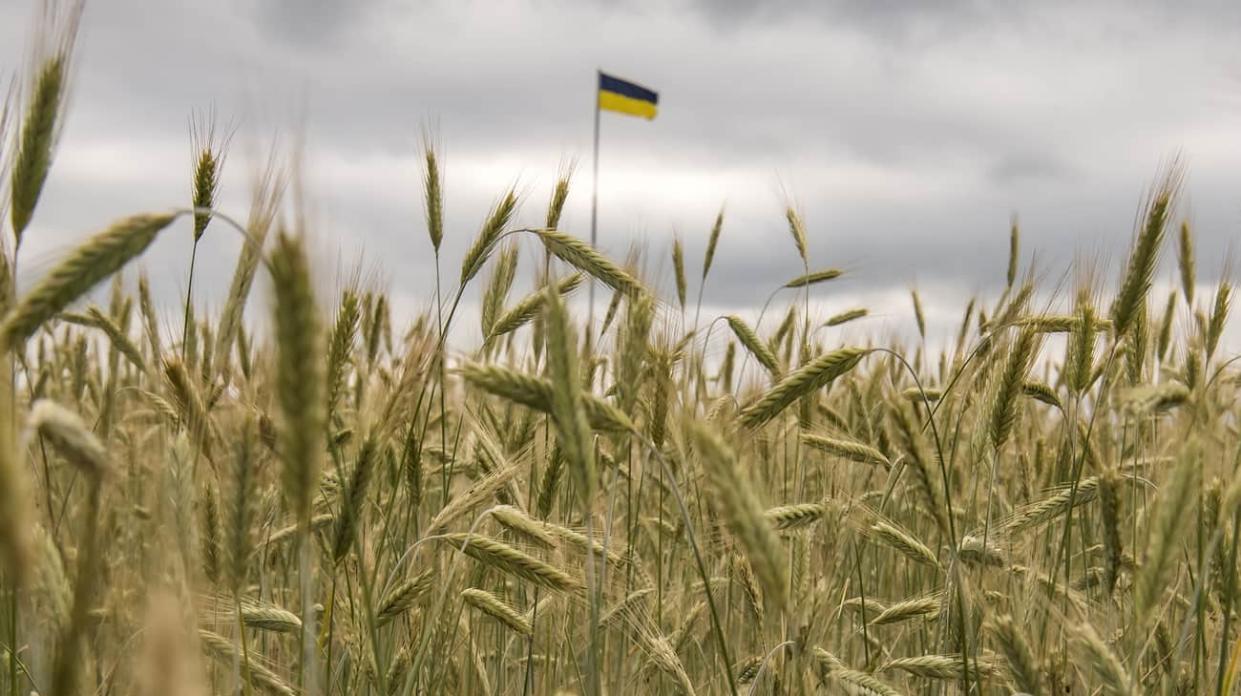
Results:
<point x="594" y="205"/>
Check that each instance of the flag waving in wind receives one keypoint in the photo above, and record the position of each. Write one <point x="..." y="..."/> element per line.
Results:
<point x="623" y="97"/>
<point x="626" y="97"/>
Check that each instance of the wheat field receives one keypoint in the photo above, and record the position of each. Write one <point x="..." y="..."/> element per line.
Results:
<point x="634" y="499"/>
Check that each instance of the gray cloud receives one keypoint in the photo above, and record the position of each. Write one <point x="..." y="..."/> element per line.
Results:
<point x="1013" y="168"/>
<point x="893" y="20"/>
<point x="314" y="24"/>
<point x="907" y="137"/>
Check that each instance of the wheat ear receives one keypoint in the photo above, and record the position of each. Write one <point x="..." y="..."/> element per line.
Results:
<point x="806" y="380"/>
<point x="509" y="560"/>
<point x="742" y="513"/>
<point x="84" y="267"/>
<point x="497" y="609"/>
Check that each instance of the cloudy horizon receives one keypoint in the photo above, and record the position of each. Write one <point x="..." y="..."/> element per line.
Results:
<point x="907" y="138"/>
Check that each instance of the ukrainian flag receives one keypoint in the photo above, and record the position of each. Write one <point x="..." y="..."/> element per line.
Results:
<point x="625" y="97"/>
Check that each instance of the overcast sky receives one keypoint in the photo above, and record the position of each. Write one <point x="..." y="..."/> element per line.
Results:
<point x="908" y="138"/>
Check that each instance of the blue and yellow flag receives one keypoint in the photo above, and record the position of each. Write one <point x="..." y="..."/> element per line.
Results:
<point x="625" y="97"/>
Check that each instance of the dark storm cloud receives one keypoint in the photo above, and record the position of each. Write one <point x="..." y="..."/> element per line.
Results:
<point x="908" y="137"/>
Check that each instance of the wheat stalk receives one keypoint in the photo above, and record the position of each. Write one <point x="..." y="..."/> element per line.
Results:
<point x="264" y="206"/>
<point x="940" y="667"/>
<point x="509" y="560"/>
<point x="240" y="509"/>
<point x="496" y="222"/>
<point x="354" y="499"/>
<point x="222" y="649"/>
<point x="518" y="523"/>
<point x="1109" y="507"/>
<point x="1012" y="378"/>
<point x="1166" y="528"/>
<point x="37" y="139"/>
<point x="299" y="382"/>
<point x="529" y="306"/>
<point x="209" y="155"/>
<point x="265" y="617"/>
<point x="678" y="270"/>
<point x="1219" y="317"/>
<point x="498" y="286"/>
<point x="788" y="517"/>
<point x="814" y="278"/>
<point x="1041" y="392"/>
<point x="798" y="232"/>
<point x="806" y="380"/>
<point x="1014" y="252"/>
<point x="1053" y="506"/>
<point x="918" y="607"/>
<point x="537" y="393"/>
<point x="494" y="607"/>
<point x="1021" y="664"/>
<point x="830" y="667"/>
<point x="560" y="194"/>
<point x="847" y="316"/>
<point x="340" y="348"/>
<point x="752" y="343"/>
<point x="904" y="543"/>
<point x="1113" y="676"/>
<point x="403" y="596"/>
<point x="433" y="196"/>
<point x="586" y="259"/>
<point x="742" y="513"/>
<point x="713" y="240"/>
<point x="88" y="264"/>
<point x="919" y="317"/>
<point x="850" y="450"/>
<point x="16" y="511"/>
<point x="66" y="432"/>
<point x="479" y="492"/>
<point x="1145" y="254"/>
<point x="1185" y="262"/>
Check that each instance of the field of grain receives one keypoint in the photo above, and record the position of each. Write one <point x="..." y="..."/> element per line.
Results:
<point x="639" y="499"/>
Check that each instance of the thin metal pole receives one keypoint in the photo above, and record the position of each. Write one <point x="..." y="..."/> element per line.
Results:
<point x="594" y="205"/>
<point x="592" y="654"/>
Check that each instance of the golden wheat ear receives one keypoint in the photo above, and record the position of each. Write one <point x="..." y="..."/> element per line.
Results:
<point x="742" y="514"/>
<point x="585" y="258"/>
<point x="497" y="221"/>
<point x="1144" y="257"/>
<point x="433" y="195"/>
<point x="85" y="267"/>
<point x="847" y="316"/>
<point x="512" y="561"/>
<point x="221" y="649"/>
<point x="17" y="515"/>
<point x="524" y="311"/>
<point x="496" y="608"/>
<point x="560" y="195"/>
<point x="299" y="367"/>
<point x="1186" y="263"/>
<point x="46" y="97"/>
<point x="806" y="380"/>
<point x="209" y="149"/>
<point x="678" y="270"/>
